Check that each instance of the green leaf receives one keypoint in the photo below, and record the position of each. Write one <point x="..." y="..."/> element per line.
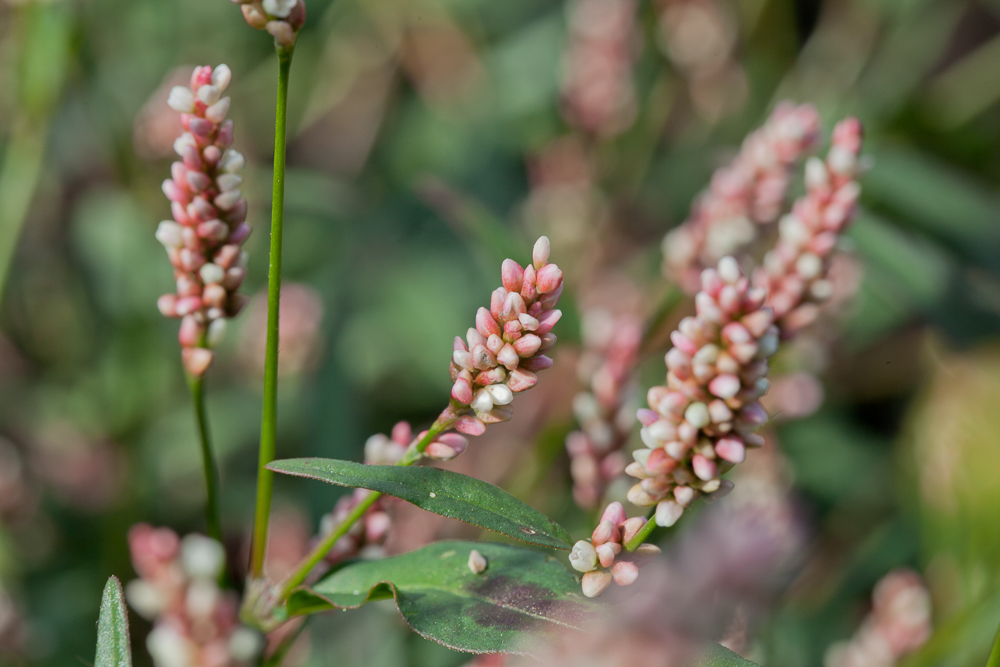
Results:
<point x="441" y="492"/>
<point x="112" y="628"/>
<point x="720" y="656"/>
<point x="521" y="594"/>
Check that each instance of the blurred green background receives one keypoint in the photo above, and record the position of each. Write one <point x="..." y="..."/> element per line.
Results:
<point x="428" y="141"/>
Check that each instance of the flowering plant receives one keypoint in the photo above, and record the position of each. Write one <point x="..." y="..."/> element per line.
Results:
<point x="482" y="597"/>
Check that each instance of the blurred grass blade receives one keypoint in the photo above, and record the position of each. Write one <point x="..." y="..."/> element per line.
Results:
<point x="113" y="648"/>
<point x="442" y="492"/>
<point x="521" y="594"/>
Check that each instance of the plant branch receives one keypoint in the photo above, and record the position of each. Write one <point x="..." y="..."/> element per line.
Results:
<point x="269" y="413"/>
<point x="213" y="525"/>
<point x="413" y="454"/>
<point x="640" y="538"/>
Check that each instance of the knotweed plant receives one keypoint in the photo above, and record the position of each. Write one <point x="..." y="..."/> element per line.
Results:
<point x="480" y="597"/>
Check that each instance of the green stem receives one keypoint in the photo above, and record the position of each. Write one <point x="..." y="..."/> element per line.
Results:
<point x="269" y="416"/>
<point x="413" y="454"/>
<point x="994" y="660"/>
<point x="640" y="538"/>
<point x="213" y="525"/>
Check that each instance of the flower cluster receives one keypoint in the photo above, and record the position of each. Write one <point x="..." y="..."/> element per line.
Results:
<point x="597" y="558"/>
<point x="795" y="272"/>
<point x="598" y="95"/>
<point x="701" y="423"/>
<point x="744" y="194"/>
<point x="606" y="416"/>
<point x="282" y="18"/>
<point x="204" y="239"/>
<point x="500" y="356"/>
<point x="899" y="624"/>
<point x="194" y="622"/>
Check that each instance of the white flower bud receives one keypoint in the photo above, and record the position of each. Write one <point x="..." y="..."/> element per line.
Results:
<point x="217" y="112"/>
<point x="227" y="182"/>
<point x="477" y="563"/>
<point x="667" y="513"/>
<point x="212" y="273"/>
<point x="145" y="598"/>
<point x="729" y="270"/>
<point x="209" y="94"/>
<point x="181" y="99"/>
<point x="216" y="332"/>
<point x="183" y="141"/>
<point x="221" y="76"/>
<point x="202" y="557"/>
<point x="279" y="8"/>
<point x="232" y="162"/>
<point x="169" y="233"/>
<point x="540" y="253"/>
<point x="583" y="557"/>
<point x="245" y="644"/>
<point x="500" y="393"/>
<point x="482" y="401"/>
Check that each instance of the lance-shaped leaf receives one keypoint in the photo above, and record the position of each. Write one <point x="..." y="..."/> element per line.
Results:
<point x="520" y="595"/>
<point x="113" y="648"/>
<point x="442" y="492"/>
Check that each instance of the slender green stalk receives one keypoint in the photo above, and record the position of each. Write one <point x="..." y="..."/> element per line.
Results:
<point x="269" y="417"/>
<point x="640" y="538"/>
<point x="413" y="454"/>
<point x="213" y="525"/>
<point x="994" y="660"/>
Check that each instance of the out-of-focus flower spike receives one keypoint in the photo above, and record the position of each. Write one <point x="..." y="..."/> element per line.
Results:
<point x="281" y="18"/>
<point x="209" y="213"/>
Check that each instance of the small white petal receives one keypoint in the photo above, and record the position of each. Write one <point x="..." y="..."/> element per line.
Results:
<point x="221" y="77"/>
<point x="500" y="393"/>
<point x="232" y="162"/>
<point x="169" y="233"/>
<point x="181" y="99"/>
<point x="209" y="94"/>
<point x="482" y="401"/>
<point x="228" y="182"/>
<point x="216" y="332"/>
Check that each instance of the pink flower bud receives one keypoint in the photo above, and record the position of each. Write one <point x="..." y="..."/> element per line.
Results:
<point x="624" y="573"/>
<point x="704" y="468"/>
<point x="615" y="513"/>
<point x="631" y="527"/>
<point x="537" y="363"/>
<point x="196" y="360"/>
<point x="527" y="345"/>
<point x="595" y="583"/>
<point x="731" y="449"/>
<point x="540" y="253"/>
<point x="470" y="425"/>
<point x="521" y="380"/>
<point x="607" y="552"/>
<point x="508" y="357"/>
<point x="485" y="324"/>
<point x="528" y="289"/>
<point x="167" y="305"/>
<point x="548" y="320"/>
<point x="549" y="279"/>
<point x="461" y="391"/>
<point x="511" y="274"/>
<point x="605" y="532"/>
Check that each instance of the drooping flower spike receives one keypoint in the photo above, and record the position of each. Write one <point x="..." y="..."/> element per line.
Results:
<point x="204" y="239"/>
<point x="502" y="354"/>
<point x="795" y="272"/>
<point x="282" y="18"/>
<point x="748" y="192"/>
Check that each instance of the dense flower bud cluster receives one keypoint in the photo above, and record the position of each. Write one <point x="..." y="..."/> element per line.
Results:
<point x="597" y="558"/>
<point x="899" y="624"/>
<point x="204" y="239"/>
<point x="500" y="356"/>
<point x="194" y="622"/>
<point x="795" y="272"/>
<point x="747" y="192"/>
<point x="605" y="413"/>
<point x="700" y="424"/>
<point x="598" y="94"/>
<point x="282" y="18"/>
